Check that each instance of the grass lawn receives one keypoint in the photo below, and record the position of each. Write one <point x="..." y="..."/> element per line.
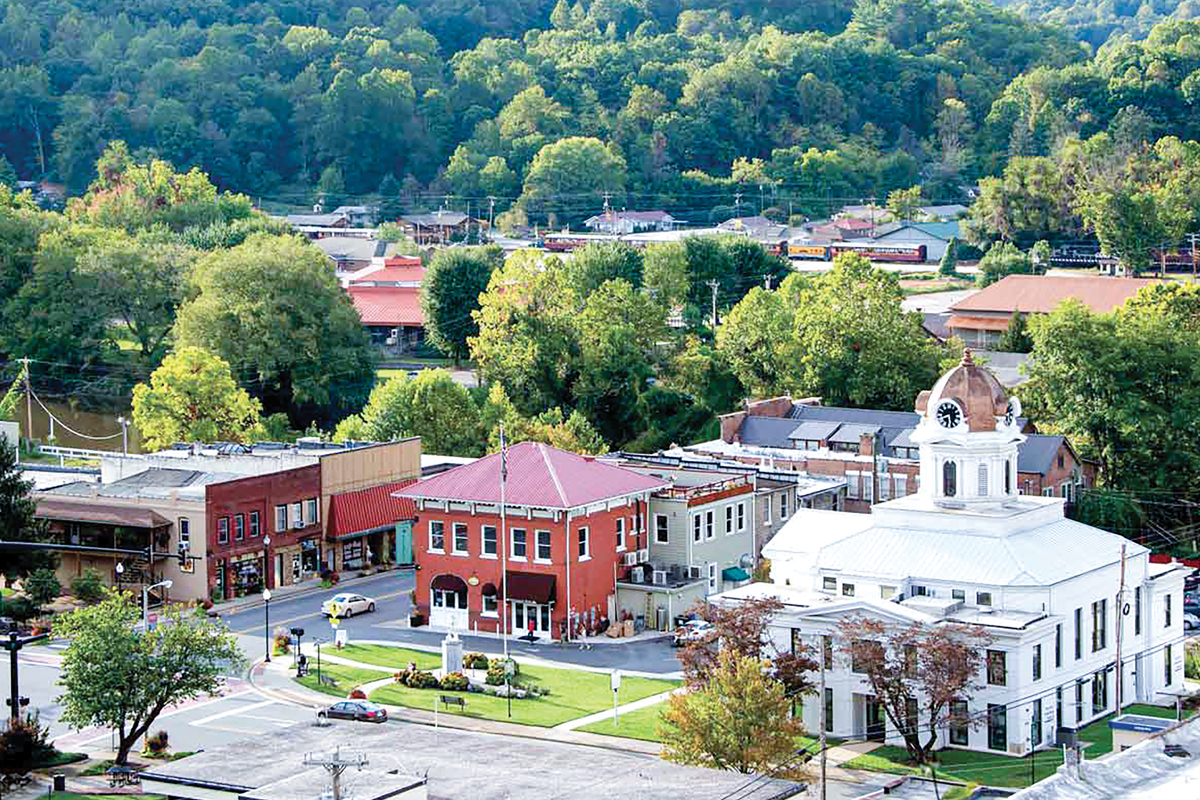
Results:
<point x="384" y="656"/>
<point x="640" y="723"/>
<point x="573" y="694"/>
<point x="59" y="758"/>
<point x="348" y="678"/>
<point x="999" y="770"/>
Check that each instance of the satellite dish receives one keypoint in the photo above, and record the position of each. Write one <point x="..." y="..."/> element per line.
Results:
<point x="746" y="561"/>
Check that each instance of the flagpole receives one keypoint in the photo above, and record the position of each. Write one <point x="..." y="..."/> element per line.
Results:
<point x="503" y="543"/>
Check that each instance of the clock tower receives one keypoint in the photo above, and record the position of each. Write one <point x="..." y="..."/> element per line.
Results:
<point x="968" y="437"/>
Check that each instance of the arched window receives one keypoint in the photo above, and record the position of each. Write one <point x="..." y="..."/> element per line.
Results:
<point x="949" y="478"/>
<point x="983" y="480"/>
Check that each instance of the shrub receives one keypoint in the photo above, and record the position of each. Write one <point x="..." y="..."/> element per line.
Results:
<point x="495" y="673"/>
<point x="475" y="661"/>
<point x="42" y="586"/>
<point x="358" y="694"/>
<point x="88" y="587"/>
<point x="157" y="743"/>
<point x="283" y="640"/>
<point x="455" y="682"/>
<point x="1191" y="662"/>
<point x="24" y="743"/>
<point x="421" y="679"/>
<point x="19" y="608"/>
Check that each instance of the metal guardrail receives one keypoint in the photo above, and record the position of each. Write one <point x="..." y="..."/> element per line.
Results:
<point x="79" y="452"/>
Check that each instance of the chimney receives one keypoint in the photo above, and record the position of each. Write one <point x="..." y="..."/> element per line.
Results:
<point x="731" y="424"/>
<point x="866" y="444"/>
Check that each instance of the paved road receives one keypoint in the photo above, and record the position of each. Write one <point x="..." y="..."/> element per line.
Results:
<point x="389" y="623"/>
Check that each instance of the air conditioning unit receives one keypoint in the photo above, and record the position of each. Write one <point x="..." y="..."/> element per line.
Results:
<point x="694" y="573"/>
<point x="660" y="577"/>
<point x="637" y="575"/>
<point x="643" y="555"/>
<point x="298" y="524"/>
<point x="629" y="559"/>
<point x="391" y="341"/>
<point x="1016" y="749"/>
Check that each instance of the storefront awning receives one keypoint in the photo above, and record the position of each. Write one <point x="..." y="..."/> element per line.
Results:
<point x="488" y="590"/>
<point x="532" y="587"/>
<point x="449" y="583"/>
<point x="735" y="574"/>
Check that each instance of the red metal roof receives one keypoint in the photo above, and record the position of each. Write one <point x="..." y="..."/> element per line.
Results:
<point x="388" y="305"/>
<point x="369" y="509"/>
<point x="1041" y="294"/>
<point x="392" y="274"/>
<point x="538" y="475"/>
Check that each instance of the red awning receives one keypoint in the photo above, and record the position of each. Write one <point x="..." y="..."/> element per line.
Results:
<point x="533" y="587"/>
<point x="449" y="583"/>
<point x="488" y="590"/>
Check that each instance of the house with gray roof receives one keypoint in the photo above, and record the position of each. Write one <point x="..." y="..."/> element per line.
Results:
<point x="872" y="449"/>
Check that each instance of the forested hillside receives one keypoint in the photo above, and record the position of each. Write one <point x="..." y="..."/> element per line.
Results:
<point x="1096" y="21"/>
<point x="652" y="100"/>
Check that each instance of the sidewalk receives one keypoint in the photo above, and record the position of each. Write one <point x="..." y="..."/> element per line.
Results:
<point x="291" y="592"/>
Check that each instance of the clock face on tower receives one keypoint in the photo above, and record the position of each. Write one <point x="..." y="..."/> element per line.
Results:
<point x="948" y="414"/>
<point x="1013" y="411"/>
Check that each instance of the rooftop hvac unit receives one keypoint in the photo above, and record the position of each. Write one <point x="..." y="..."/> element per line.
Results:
<point x="637" y="575"/>
<point x="643" y="555"/>
<point x="628" y="559"/>
<point x="660" y="577"/>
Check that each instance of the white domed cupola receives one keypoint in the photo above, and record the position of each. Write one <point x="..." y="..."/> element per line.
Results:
<point x="968" y="437"/>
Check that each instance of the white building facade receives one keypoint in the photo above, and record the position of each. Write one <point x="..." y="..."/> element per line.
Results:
<point x="967" y="548"/>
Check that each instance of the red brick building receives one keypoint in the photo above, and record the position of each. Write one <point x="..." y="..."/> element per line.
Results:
<point x="241" y="513"/>
<point x="569" y="519"/>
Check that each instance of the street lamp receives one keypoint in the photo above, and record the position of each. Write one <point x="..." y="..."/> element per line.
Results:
<point x="120" y="574"/>
<point x="266" y="561"/>
<point x="267" y="630"/>
<point x="146" y="602"/>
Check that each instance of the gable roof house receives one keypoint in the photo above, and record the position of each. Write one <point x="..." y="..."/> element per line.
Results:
<point x="388" y="299"/>
<point x="981" y="318"/>
<point x="935" y="236"/>
<point x="624" y="222"/>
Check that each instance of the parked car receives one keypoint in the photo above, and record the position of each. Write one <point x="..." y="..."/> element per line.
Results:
<point x="693" y="630"/>
<point x="358" y="710"/>
<point x="1191" y="622"/>
<point x="347" y="604"/>
<point x="1191" y="606"/>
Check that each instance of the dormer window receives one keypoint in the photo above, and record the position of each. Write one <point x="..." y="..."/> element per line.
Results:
<point x="949" y="478"/>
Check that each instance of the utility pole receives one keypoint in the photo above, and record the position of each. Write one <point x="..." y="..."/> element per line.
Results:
<point x="737" y="205"/>
<point x="1193" y="238"/>
<point x="714" y="285"/>
<point x="491" y="213"/>
<point x="335" y="765"/>
<point x="28" y="402"/>
<point x="504" y="562"/>
<point x="824" y="723"/>
<point x="607" y="195"/>
<point x="1120" y="627"/>
<point x="767" y="282"/>
<point x="13" y="646"/>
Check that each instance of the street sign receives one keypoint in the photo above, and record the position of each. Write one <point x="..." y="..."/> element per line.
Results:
<point x="341" y="638"/>
<point x="333" y="622"/>
<point x="614" y="680"/>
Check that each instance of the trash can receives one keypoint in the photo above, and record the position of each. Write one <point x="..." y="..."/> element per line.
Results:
<point x="60" y="782"/>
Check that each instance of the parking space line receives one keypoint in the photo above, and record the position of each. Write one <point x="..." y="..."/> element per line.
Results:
<point x="164" y="715"/>
<point x="233" y="711"/>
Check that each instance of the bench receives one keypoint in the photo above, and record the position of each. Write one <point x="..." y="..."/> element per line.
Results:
<point x="448" y="700"/>
<point x="121" y="776"/>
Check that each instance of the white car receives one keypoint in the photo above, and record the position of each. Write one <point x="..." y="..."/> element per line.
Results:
<point x="347" y="604"/>
<point x="1190" y="622"/>
<point x="694" y="630"/>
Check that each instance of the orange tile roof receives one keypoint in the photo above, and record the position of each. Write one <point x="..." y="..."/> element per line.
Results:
<point x="392" y="274"/>
<point x="1042" y="293"/>
<point x="388" y="305"/>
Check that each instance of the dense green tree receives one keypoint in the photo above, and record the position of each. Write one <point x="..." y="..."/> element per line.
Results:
<point x="331" y="188"/>
<point x="949" y="263"/>
<point x="665" y="273"/>
<point x="17" y="520"/>
<point x="573" y="173"/>
<point x="758" y="339"/>
<point x="192" y="398"/>
<point x="1016" y="338"/>
<point x="1123" y="387"/>
<point x="117" y="676"/>
<point x="432" y="405"/>
<point x="8" y="175"/>
<point x="450" y="297"/>
<point x="592" y="265"/>
<point x="1002" y="258"/>
<point x="274" y="310"/>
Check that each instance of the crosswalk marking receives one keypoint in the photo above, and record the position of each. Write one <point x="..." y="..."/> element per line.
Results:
<point x="233" y="711"/>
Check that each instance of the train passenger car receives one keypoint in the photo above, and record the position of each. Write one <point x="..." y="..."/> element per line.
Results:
<point x="807" y="250"/>
<point x="882" y="251"/>
<point x="564" y="242"/>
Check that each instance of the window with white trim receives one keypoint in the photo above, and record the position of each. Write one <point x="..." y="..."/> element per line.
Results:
<point x="585" y="544"/>
<point x="829" y="583"/>
<point x="437" y="536"/>
<point x="312" y="511"/>
<point x="491" y="605"/>
<point x="901" y="484"/>
<point x="852" y="485"/>
<point x="885" y="485"/>
<point x="297" y="515"/>
<point x="783" y="506"/>
<point x="239" y="527"/>
<point x="489" y="546"/>
<point x="741" y="516"/>
<point x="254" y="526"/>
<point x="185" y="533"/>
<point x="728" y="520"/>
<point x="223" y="530"/>
<point x="696" y="527"/>
<point x="712" y="577"/>
<point x="518" y="543"/>
<point x="868" y="487"/>
<point x="710" y="527"/>
<point x="543" y="545"/>
<point x="460" y="539"/>
<point x="662" y="533"/>
<point x="280" y="518"/>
